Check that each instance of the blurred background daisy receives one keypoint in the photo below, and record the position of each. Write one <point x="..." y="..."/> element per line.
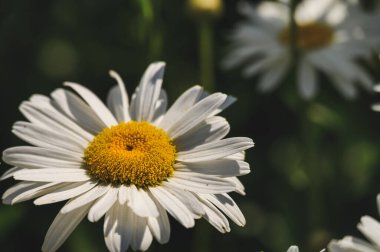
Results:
<point x="325" y="36"/>
<point x="316" y="163"/>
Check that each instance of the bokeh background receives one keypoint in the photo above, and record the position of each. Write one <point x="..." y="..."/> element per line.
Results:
<point x="315" y="166"/>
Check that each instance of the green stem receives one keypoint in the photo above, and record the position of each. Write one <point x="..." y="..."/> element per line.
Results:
<point x="156" y="33"/>
<point x="311" y="160"/>
<point x="293" y="34"/>
<point x="151" y="28"/>
<point x="206" y="43"/>
<point x="147" y="9"/>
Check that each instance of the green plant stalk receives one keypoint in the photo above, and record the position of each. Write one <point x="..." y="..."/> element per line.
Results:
<point x="309" y="133"/>
<point x="147" y="9"/>
<point x="152" y="34"/>
<point x="206" y="54"/>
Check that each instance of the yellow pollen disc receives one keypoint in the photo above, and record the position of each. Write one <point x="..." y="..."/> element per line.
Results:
<point x="309" y="36"/>
<point x="131" y="153"/>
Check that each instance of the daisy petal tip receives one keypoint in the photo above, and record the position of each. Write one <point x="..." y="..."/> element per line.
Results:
<point x="92" y="218"/>
<point x="65" y="210"/>
<point x="113" y="74"/>
<point x="240" y="192"/>
<point x="376" y="88"/>
<point x="232" y="98"/>
<point x="160" y="63"/>
<point x="69" y="83"/>
<point x="376" y="107"/>
<point x="6" y="201"/>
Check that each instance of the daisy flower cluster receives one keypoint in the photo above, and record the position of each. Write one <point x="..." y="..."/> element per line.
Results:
<point x="330" y="36"/>
<point x="132" y="162"/>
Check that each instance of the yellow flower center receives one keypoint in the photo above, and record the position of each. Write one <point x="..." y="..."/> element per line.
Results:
<point x="309" y="35"/>
<point x="131" y="153"/>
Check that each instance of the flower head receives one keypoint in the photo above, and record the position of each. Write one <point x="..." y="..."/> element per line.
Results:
<point x="327" y="42"/>
<point x="370" y="228"/>
<point x="132" y="162"/>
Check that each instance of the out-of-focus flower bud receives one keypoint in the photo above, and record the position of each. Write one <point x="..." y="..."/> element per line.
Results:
<point x="211" y="8"/>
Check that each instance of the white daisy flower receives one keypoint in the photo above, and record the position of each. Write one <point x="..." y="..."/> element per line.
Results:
<point x="370" y="228"/>
<point x="131" y="162"/>
<point x="329" y="41"/>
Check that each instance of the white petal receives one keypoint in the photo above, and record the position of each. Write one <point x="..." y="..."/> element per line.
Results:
<point x="214" y="216"/>
<point x="95" y="103"/>
<point x="39" y="99"/>
<point x="175" y="207"/>
<point x="85" y="198"/>
<point x="195" y="182"/>
<point x="188" y="199"/>
<point x="376" y="88"/>
<point x="272" y="10"/>
<point x="103" y="204"/>
<point x="346" y="87"/>
<point x="243" y="53"/>
<point x="227" y="102"/>
<point x="271" y="78"/>
<point x="370" y="228"/>
<point x="141" y="203"/>
<point x="52" y="175"/>
<point x="228" y="206"/>
<point x="307" y="79"/>
<point x="117" y="99"/>
<point x="147" y="93"/>
<point x="124" y="194"/>
<point x="141" y="236"/>
<point x="118" y="228"/>
<point x="160" y="226"/>
<point x="42" y="137"/>
<point x="62" y="226"/>
<point x="27" y="190"/>
<point x="219" y="167"/>
<point x="215" y="150"/>
<point x="240" y="156"/>
<point x="211" y="129"/>
<point x="292" y="249"/>
<point x="239" y="186"/>
<point x="66" y="192"/>
<point x="160" y="108"/>
<point x="45" y="115"/>
<point x="78" y="110"/>
<point x="265" y="64"/>
<point x="180" y="106"/>
<point x="9" y="173"/>
<point x="350" y="243"/>
<point x="36" y="157"/>
<point x="205" y="108"/>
